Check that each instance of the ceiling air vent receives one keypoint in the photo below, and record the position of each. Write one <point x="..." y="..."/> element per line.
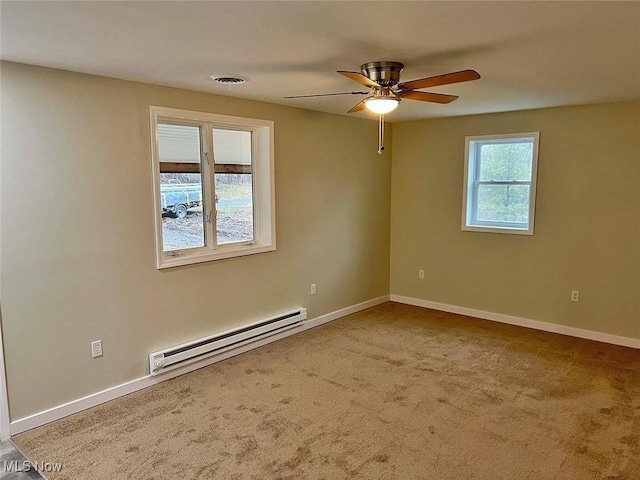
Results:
<point x="229" y="79"/>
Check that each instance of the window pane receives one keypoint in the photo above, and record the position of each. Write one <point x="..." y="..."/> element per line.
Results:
<point x="180" y="187"/>
<point x="503" y="203"/>
<point x="234" y="185"/>
<point x="506" y="161"/>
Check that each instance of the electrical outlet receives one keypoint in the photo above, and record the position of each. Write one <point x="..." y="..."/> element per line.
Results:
<point x="313" y="289"/>
<point x="421" y="274"/>
<point x="96" y="348"/>
<point x="575" y="295"/>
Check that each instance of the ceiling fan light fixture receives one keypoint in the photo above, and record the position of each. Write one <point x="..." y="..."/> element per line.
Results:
<point x="382" y="106"/>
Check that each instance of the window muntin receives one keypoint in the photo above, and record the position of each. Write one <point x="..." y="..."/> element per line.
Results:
<point x="213" y="184"/>
<point x="500" y="177"/>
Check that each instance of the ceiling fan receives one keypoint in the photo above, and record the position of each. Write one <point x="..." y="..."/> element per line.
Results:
<point x="385" y="90"/>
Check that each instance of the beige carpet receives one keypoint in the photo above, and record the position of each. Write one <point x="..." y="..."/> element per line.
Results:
<point x="394" y="392"/>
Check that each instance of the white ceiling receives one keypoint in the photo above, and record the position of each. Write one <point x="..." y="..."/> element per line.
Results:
<point x="530" y="54"/>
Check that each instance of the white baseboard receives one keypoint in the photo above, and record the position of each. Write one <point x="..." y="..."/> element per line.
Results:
<point x="75" y="406"/>
<point x="329" y="317"/>
<point x="522" y="322"/>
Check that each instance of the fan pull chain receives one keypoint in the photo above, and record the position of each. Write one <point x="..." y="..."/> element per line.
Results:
<point x="381" y="135"/>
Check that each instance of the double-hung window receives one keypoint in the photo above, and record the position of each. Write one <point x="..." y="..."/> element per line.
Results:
<point x="213" y="186"/>
<point x="500" y="183"/>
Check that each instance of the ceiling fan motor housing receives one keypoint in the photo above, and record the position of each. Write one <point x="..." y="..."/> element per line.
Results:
<point x="386" y="74"/>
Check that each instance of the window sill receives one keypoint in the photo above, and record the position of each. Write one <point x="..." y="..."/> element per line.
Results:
<point x="494" y="229"/>
<point x="206" y="255"/>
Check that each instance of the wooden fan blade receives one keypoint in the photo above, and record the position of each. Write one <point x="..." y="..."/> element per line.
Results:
<point x="428" y="96"/>
<point x="328" y="94"/>
<point x="359" y="106"/>
<point x="358" y="77"/>
<point x="447" y="78"/>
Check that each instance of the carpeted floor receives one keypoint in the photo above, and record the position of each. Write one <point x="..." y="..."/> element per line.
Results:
<point x="393" y="392"/>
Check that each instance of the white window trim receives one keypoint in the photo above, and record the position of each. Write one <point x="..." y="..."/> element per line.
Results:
<point x="263" y="186"/>
<point x="468" y="186"/>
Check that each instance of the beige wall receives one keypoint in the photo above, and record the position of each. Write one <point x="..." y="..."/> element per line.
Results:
<point x="78" y="258"/>
<point x="587" y="227"/>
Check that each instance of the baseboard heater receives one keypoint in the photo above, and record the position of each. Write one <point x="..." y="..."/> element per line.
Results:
<point x="207" y="347"/>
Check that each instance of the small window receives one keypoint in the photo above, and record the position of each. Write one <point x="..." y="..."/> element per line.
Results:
<point x="500" y="183"/>
<point x="213" y="184"/>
